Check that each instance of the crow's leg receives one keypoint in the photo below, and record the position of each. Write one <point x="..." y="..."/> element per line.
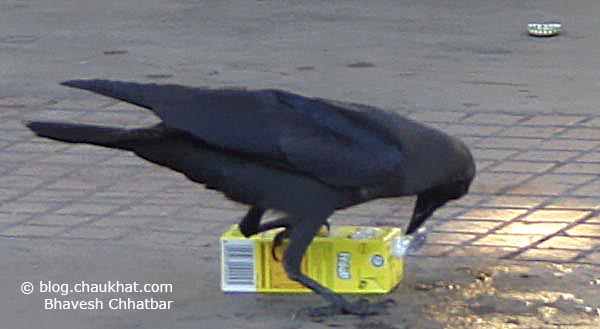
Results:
<point x="277" y="241"/>
<point x="280" y="236"/>
<point x="250" y="223"/>
<point x="301" y="235"/>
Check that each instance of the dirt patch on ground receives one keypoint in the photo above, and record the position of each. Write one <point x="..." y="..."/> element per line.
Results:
<point x="456" y="293"/>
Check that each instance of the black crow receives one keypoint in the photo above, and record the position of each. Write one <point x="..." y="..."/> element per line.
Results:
<point x="272" y="149"/>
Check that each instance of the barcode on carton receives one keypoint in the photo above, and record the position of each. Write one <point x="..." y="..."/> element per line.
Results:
<point x="238" y="273"/>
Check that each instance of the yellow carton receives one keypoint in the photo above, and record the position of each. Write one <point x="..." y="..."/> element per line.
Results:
<point x="350" y="259"/>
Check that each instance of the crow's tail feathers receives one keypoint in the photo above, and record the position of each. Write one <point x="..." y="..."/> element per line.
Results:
<point x="146" y="95"/>
<point x="77" y="133"/>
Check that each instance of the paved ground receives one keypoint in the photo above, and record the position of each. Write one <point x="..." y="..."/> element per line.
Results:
<point x="521" y="251"/>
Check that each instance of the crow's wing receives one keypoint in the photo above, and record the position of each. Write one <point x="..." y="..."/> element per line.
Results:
<point x="312" y="136"/>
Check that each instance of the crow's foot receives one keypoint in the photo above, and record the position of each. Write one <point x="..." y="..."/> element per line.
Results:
<point x="361" y="307"/>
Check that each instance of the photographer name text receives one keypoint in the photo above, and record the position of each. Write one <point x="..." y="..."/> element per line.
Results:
<point x="112" y="304"/>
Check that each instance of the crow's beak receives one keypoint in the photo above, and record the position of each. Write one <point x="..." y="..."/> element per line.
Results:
<point x="424" y="207"/>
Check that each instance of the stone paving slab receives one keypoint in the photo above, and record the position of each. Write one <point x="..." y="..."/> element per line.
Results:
<point x="537" y="187"/>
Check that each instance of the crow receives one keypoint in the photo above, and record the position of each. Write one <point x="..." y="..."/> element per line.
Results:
<point x="275" y="150"/>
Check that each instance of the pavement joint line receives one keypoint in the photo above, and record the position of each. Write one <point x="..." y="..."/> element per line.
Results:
<point x="466" y="116"/>
<point x="34" y="188"/>
<point x="560" y="232"/>
<point x="530" y="260"/>
<point x="97" y="218"/>
<point x="47" y="183"/>
<point x="504" y="148"/>
<point x="518" y="152"/>
<point x="533" y="175"/>
<point x="556" y="162"/>
<point x="135" y="201"/>
<point x="113" y="102"/>
<point x="16" y="142"/>
<point x="38" y="237"/>
<point x="489" y="170"/>
<point x="584" y="253"/>
<point x="67" y="228"/>
<point x="588" y="120"/>
<point x="493" y="245"/>
<point x="519" y="124"/>
<point x="514" y="113"/>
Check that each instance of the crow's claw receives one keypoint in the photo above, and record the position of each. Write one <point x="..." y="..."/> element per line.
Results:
<point x="361" y="307"/>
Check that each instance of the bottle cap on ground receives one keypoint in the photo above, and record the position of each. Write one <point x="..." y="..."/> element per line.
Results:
<point x="546" y="29"/>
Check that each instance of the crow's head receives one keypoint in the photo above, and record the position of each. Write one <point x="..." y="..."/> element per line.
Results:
<point x="456" y="186"/>
<point x="460" y="176"/>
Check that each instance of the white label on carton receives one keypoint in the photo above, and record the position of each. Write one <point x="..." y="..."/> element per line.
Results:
<point x="237" y="267"/>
